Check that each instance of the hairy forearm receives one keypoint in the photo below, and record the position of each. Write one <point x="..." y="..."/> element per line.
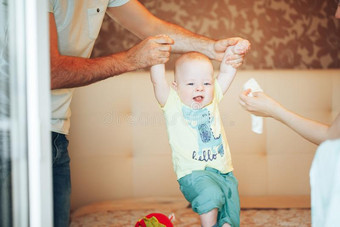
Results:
<point x="185" y="40"/>
<point x="311" y="130"/>
<point x="70" y="72"/>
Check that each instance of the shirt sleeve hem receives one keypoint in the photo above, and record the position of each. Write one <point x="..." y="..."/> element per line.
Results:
<point x="116" y="3"/>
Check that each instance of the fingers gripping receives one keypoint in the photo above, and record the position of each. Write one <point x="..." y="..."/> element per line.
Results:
<point x="163" y="39"/>
<point x="223" y="44"/>
<point x="244" y="99"/>
<point x="163" y="47"/>
<point x="235" y="54"/>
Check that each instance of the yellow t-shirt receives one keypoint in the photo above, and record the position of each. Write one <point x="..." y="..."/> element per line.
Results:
<point x="196" y="136"/>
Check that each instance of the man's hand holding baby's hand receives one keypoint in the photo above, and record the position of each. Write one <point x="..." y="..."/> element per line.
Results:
<point x="241" y="48"/>
<point x="219" y="48"/>
<point x="230" y="62"/>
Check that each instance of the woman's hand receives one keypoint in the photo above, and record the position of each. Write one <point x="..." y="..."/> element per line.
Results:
<point x="260" y="104"/>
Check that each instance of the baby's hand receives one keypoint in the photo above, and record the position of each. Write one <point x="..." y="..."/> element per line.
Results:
<point x="229" y="64"/>
<point x="241" y="48"/>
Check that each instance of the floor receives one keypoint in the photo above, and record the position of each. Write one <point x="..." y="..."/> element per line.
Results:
<point x="128" y="212"/>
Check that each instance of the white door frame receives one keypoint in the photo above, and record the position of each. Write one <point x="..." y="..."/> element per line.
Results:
<point x="29" y="64"/>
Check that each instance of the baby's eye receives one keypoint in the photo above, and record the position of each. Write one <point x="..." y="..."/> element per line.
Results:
<point x="207" y="84"/>
<point x="190" y="84"/>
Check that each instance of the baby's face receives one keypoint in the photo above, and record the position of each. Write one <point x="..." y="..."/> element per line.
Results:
<point x="195" y="83"/>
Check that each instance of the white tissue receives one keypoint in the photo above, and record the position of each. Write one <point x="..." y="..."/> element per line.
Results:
<point x="256" y="121"/>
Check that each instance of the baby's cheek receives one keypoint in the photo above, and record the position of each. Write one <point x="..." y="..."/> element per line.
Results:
<point x="211" y="93"/>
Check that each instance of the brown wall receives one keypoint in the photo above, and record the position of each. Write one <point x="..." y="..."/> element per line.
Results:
<point x="284" y="34"/>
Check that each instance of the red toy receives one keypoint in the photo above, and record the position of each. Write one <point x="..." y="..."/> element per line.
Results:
<point x="155" y="220"/>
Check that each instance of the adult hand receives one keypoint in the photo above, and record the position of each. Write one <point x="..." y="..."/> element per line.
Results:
<point x="150" y="51"/>
<point x="260" y="104"/>
<point x="220" y="47"/>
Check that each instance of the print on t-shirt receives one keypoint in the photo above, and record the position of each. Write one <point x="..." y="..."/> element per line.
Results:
<point x="209" y="145"/>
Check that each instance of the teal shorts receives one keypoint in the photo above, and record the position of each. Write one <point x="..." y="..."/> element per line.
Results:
<point x="208" y="189"/>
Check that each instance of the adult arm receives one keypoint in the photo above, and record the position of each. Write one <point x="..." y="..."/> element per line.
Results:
<point x="263" y="105"/>
<point x="137" y="19"/>
<point x="160" y="85"/>
<point x="69" y="71"/>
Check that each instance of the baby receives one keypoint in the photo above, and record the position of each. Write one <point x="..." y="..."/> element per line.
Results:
<point x="200" y="151"/>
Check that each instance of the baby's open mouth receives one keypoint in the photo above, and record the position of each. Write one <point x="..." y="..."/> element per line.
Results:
<point x="198" y="98"/>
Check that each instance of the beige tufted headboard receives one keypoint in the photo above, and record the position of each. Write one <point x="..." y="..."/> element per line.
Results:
<point x="119" y="147"/>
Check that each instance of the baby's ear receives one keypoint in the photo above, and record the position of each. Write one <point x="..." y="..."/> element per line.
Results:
<point x="174" y="85"/>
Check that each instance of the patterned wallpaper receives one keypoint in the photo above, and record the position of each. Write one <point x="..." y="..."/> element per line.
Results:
<point x="285" y="34"/>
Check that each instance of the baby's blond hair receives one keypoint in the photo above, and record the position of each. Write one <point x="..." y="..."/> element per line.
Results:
<point x="190" y="56"/>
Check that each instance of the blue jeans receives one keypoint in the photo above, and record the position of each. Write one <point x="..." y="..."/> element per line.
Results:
<point x="5" y="180"/>
<point x="61" y="180"/>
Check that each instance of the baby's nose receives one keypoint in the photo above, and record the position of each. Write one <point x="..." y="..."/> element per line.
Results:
<point x="200" y="87"/>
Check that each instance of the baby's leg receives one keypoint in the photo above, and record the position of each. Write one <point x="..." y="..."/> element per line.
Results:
<point x="209" y="219"/>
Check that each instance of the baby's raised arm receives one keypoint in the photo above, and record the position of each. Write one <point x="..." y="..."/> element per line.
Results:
<point x="227" y="71"/>
<point x="160" y="85"/>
